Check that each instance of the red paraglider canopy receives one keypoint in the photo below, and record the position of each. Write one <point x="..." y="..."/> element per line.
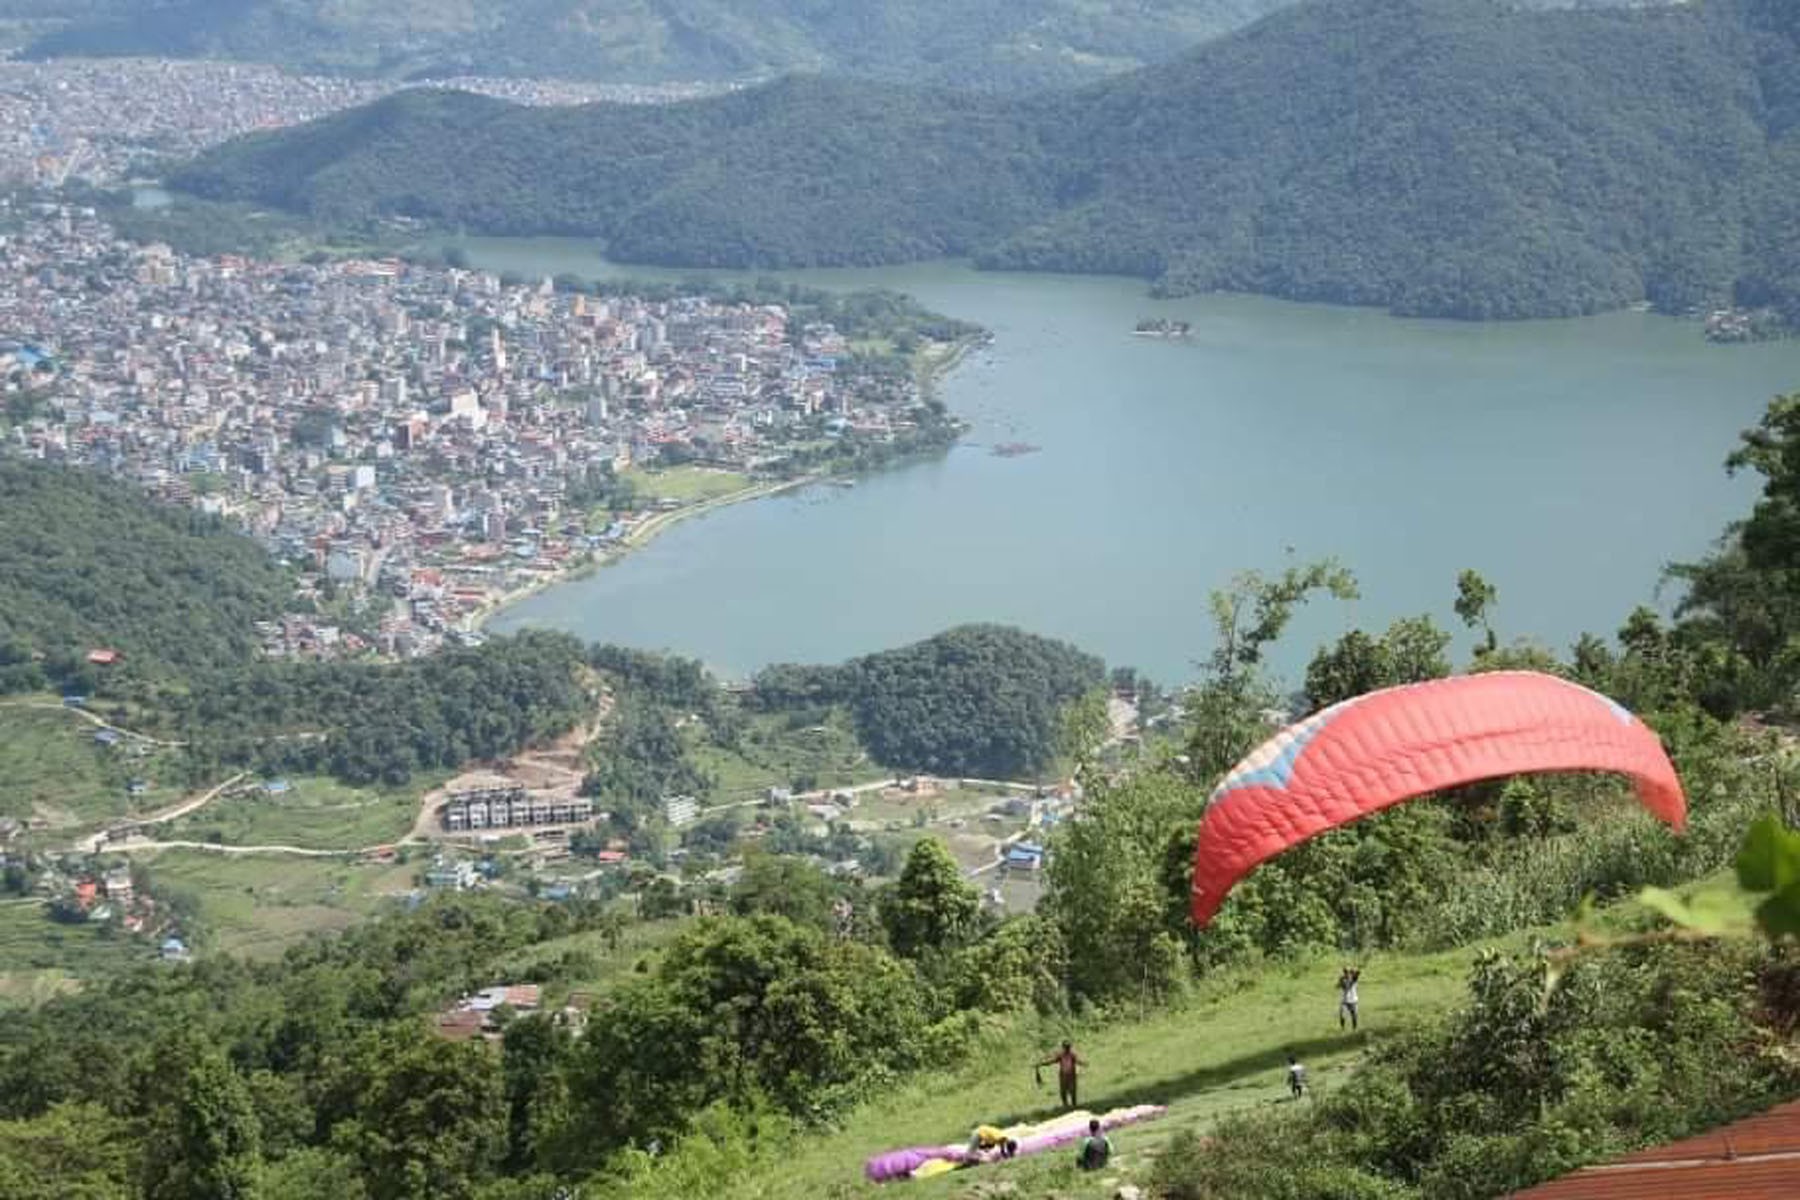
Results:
<point x="1373" y="751"/>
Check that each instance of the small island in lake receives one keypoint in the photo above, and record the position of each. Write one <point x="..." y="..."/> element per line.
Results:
<point x="1162" y="328"/>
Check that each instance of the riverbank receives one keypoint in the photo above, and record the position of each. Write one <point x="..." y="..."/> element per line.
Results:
<point x="931" y="366"/>
<point x="638" y="536"/>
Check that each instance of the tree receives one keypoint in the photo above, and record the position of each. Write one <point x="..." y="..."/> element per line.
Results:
<point x="932" y="907"/>
<point x="1225" y="713"/>
<point x="70" y="1152"/>
<point x="310" y="1173"/>
<point x="212" y="1152"/>
<point x="1111" y="895"/>
<point x="430" y="1117"/>
<point x="532" y="1060"/>
<point x="1411" y="651"/>
<point x="1355" y="665"/>
<point x="1254" y="610"/>
<point x="1475" y="598"/>
<point x="1086" y="725"/>
<point x="782" y="885"/>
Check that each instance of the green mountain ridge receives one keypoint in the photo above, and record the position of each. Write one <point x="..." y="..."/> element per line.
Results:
<point x="1002" y="44"/>
<point x="86" y="561"/>
<point x="1437" y="157"/>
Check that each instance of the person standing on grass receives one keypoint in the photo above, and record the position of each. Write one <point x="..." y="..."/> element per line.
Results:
<point x="1066" y="1064"/>
<point x="1347" y="998"/>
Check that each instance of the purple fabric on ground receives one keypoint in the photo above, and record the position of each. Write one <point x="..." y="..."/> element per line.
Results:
<point x="898" y="1164"/>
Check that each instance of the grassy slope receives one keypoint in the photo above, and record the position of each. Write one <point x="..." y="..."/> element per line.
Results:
<point x="257" y="905"/>
<point x="51" y="765"/>
<point x="317" y="813"/>
<point x="39" y="957"/>
<point x="1222" y="1053"/>
<point x="772" y="755"/>
<point x="637" y="942"/>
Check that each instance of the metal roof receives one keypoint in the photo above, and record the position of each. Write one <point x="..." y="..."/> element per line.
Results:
<point x="1750" y="1159"/>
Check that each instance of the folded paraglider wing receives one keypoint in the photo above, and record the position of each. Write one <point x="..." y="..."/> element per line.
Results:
<point x="1373" y="751"/>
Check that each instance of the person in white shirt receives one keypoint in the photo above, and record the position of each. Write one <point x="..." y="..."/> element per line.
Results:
<point x="1347" y="998"/>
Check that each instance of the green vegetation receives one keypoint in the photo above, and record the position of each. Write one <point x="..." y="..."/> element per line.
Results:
<point x="315" y="813"/>
<point x="193" y="226"/>
<point x="38" y="956"/>
<point x="980" y="700"/>
<point x="55" y="771"/>
<point x="86" y="563"/>
<point x="260" y="905"/>
<point x="367" y="723"/>
<point x="686" y="484"/>
<point x="1441" y="157"/>
<point x="786" y="750"/>
<point x="1523" y="1085"/>
<point x="977" y="43"/>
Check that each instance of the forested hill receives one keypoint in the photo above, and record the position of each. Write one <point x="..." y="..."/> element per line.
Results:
<point x="988" y="44"/>
<point x="805" y="171"/>
<point x="87" y="562"/>
<point x="1443" y="157"/>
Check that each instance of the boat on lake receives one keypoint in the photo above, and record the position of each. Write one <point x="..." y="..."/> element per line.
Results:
<point x="1159" y="327"/>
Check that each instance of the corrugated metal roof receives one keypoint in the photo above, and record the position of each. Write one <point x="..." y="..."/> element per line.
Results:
<point x="1757" y="1158"/>
<point x="1773" y="1132"/>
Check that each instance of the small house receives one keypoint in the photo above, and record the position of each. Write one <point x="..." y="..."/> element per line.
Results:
<point x="1025" y="856"/>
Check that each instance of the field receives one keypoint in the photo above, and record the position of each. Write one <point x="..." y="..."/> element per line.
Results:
<point x="257" y="904"/>
<point x="55" y="770"/>
<point x="39" y="957"/>
<point x="1223" y="1053"/>
<point x="688" y="484"/>
<point x="315" y="813"/>
<point x="598" y="960"/>
<point x="772" y="753"/>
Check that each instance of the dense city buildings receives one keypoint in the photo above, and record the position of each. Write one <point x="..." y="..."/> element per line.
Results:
<point x="100" y="121"/>
<point x="419" y="441"/>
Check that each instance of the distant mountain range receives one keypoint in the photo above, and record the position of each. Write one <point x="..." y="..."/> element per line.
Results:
<point x="1000" y="44"/>
<point x="1446" y="157"/>
<point x="965" y="44"/>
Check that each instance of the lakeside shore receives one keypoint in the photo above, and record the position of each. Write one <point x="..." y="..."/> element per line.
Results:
<point x="934" y="366"/>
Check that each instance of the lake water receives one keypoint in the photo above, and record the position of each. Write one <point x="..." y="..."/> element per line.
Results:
<point x="1567" y="461"/>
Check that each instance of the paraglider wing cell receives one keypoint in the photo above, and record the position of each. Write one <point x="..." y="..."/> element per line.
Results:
<point x="1373" y="751"/>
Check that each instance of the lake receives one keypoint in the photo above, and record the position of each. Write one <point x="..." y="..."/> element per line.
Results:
<point x="1567" y="461"/>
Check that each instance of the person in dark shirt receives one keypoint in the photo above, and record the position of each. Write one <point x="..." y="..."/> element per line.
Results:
<point x="1096" y="1149"/>
<point x="1066" y="1064"/>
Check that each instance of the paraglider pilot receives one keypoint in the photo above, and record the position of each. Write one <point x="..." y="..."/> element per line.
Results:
<point x="1066" y="1063"/>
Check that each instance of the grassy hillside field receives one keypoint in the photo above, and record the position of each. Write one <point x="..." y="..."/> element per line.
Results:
<point x="1221" y="1053"/>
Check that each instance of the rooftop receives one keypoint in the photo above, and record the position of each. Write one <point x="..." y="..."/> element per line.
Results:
<point x="1750" y="1159"/>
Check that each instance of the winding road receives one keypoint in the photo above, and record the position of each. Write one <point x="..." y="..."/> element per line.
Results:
<point x="92" y="718"/>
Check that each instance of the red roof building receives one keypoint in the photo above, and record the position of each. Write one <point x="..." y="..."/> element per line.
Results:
<point x="1752" y="1159"/>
